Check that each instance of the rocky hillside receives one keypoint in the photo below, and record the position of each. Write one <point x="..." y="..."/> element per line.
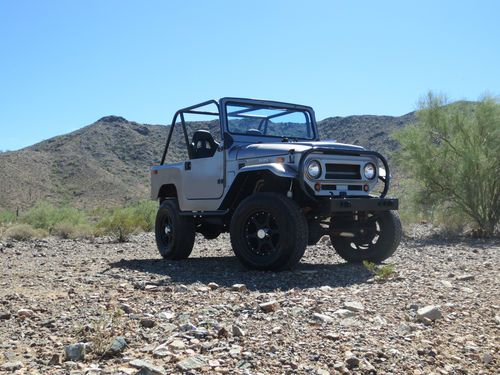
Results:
<point x="107" y="163"/>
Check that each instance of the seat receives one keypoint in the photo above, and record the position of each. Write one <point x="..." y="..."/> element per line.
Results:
<point x="203" y="144"/>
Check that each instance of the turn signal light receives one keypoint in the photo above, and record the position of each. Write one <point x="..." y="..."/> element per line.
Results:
<point x="317" y="186"/>
<point x="365" y="187"/>
<point x="280" y="159"/>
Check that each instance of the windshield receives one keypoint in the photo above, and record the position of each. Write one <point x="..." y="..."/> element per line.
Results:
<point x="258" y="120"/>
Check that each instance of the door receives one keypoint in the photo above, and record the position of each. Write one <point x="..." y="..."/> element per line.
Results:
<point x="204" y="178"/>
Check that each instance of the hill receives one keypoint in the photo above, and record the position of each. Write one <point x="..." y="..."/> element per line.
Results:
<point x="107" y="163"/>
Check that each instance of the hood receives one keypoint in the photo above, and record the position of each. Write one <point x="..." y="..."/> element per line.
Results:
<point x="269" y="149"/>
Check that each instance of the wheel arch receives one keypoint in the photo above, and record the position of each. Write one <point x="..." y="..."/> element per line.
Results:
<point x="253" y="179"/>
<point x="167" y="191"/>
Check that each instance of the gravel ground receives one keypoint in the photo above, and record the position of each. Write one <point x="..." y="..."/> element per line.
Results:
<point x="81" y="307"/>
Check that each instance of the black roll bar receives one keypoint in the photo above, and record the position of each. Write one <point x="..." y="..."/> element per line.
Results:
<point x="181" y="112"/>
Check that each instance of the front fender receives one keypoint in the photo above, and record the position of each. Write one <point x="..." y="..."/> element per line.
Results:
<point x="278" y="169"/>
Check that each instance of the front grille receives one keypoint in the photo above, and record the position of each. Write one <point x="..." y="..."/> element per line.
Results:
<point x="334" y="187"/>
<point x="343" y="171"/>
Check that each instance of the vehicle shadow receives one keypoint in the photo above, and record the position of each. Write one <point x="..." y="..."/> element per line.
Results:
<point x="227" y="271"/>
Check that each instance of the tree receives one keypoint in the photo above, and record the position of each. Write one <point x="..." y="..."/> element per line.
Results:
<point x="453" y="153"/>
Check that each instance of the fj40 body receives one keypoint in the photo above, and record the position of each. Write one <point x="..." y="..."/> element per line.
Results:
<point x="258" y="170"/>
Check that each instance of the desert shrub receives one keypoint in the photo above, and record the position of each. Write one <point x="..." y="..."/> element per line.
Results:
<point x="145" y="213"/>
<point x="101" y="330"/>
<point x="453" y="154"/>
<point x="7" y="217"/>
<point x="83" y="231"/>
<point x="122" y="222"/>
<point x="46" y="216"/>
<point x="119" y="224"/>
<point x="382" y="271"/>
<point x="23" y="232"/>
<point x="67" y="230"/>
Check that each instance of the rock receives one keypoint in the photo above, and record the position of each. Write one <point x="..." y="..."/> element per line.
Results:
<point x="146" y="368"/>
<point x="192" y="363"/>
<point x="222" y="332"/>
<point x="344" y="313"/>
<point x="465" y="277"/>
<point x="117" y="346"/>
<point x="487" y="358"/>
<point x="413" y="307"/>
<point x="351" y="360"/>
<point x="11" y="366"/>
<point x="5" y="315"/>
<point x="162" y="351"/>
<point x="237" y="331"/>
<point x="354" y="306"/>
<point x="148" y="323"/>
<point x="446" y="284"/>
<point x="75" y="352"/>
<point x="235" y="351"/>
<point x="323" y="318"/>
<point x="166" y="315"/>
<point x="186" y="327"/>
<point x="213" y="286"/>
<point x="213" y="363"/>
<point x="54" y="360"/>
<point x="322" y="371"/>
<point x="25" y="313"/>
<point x="497" y="319"/>
<point x="332" y="336"/>
<point x="239" y="287"/>
<point x="177" y="345"/>
<point x="429" y="312"/>
<point x="127" y="309"/>
<point x="269" y="306"/>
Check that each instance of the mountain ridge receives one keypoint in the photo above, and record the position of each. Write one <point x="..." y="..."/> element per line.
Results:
<point x="107" y="162"/>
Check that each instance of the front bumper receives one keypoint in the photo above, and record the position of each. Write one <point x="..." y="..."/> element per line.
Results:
<point x="358" y="204"/>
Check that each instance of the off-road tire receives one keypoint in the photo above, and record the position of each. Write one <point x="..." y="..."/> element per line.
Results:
<point x="287" y="238"/>
<point x="178" y="244"/>
<point x="386" y="244"/>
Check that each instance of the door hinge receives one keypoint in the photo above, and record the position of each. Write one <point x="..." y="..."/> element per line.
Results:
<point x="187" y="166"/>
<point x="220" y="181"/>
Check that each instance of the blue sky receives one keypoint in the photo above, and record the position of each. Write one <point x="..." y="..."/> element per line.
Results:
<point x="64" y="64"/>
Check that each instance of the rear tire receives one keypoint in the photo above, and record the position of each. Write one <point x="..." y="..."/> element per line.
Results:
<point x="268" y="232"/>
<point x="381" y="237"/>
<point x="174" y="233"/>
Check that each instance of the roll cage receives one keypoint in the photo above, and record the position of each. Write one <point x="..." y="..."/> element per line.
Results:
<point x="222" y="115"/>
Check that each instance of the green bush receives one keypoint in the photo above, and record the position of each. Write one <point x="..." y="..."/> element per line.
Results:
<point x="7" y="217"/>
<point x="122" y="222"/>
<point x="145" y="212"/>
<point x="453" y="154"/>
<point x="24" y="232"/>
<point x="119" y="224"/>
<point x="46" y="216"/>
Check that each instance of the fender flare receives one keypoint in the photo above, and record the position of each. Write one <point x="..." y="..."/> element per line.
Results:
<point x="278" y="169"/>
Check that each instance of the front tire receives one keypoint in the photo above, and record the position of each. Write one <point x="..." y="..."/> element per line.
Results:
<point x="174" y="233"/>
<point x="268" y="232"/>
<point x="374" y="238"/>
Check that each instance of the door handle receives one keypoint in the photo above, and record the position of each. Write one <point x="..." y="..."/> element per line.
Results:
<point x="187" y="165"/>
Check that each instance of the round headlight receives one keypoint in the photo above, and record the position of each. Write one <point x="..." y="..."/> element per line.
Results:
<point x="313" y="169"/>
<point x="369" y="171"/>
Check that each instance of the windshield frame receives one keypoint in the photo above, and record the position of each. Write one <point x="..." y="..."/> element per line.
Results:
<point x="265" y="104"/>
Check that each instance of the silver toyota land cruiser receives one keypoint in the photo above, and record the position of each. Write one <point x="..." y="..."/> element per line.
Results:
<point x="259" y="171"/>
